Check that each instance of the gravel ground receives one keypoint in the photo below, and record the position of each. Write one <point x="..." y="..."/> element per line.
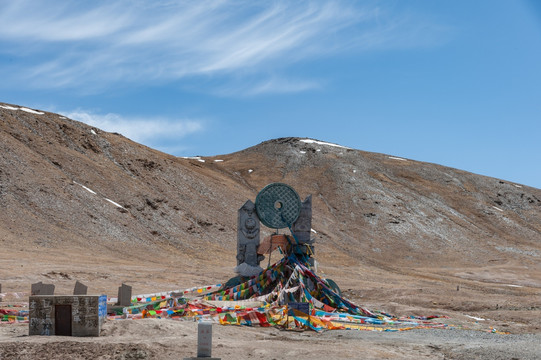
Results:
<point x="167" y="339"/>
<point x="455" y="343"/>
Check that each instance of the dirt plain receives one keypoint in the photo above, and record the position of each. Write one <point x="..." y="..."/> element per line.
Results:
<point x="397" y="235"/>
<point x="510" y="309"/>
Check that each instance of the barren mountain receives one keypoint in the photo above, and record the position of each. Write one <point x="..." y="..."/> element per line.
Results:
<point x="81" y="203"/>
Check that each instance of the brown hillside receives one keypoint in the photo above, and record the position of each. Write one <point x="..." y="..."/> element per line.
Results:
<point x="81" y="203"/>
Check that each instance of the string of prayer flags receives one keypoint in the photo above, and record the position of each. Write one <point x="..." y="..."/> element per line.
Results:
<point x="263" y="300"/>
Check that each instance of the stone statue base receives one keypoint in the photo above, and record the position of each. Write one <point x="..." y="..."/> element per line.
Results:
<point x="246" y="270"/>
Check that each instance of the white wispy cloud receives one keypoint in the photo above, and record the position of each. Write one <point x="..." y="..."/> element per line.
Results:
<point x="61" y="21"/>
<point x="156" y="132"/>
<point x="96" y="44"/>
<point x="267" y="85"/>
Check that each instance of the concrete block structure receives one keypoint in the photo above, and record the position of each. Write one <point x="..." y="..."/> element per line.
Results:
<point x="67" y="315"/>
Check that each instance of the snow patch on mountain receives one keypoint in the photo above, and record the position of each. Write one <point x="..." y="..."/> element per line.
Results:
<point x="311" y="141"/>
<point x="114" y="203"/>
<point x="84" y="187"/>
<point x="31" y="111"/>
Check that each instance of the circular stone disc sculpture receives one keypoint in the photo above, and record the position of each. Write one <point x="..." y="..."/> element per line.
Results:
<point x="278" y="205"/>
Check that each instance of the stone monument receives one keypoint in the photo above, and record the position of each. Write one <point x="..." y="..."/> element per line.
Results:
<point x="302" y="230"/>
<point x="248" y="229"/>
<point x="42" y="289"/>
<point x="204" y="342"/>
<point x="80" y="288"/>
<point x="277" y="206"/>
<point x="124" y="295"/>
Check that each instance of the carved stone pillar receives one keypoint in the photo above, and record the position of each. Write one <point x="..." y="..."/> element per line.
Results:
<point x="248" y="229"/>
<point x="302" y="227"/>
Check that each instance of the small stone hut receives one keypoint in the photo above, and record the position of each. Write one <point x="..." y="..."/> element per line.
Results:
<point x="67" y="315"/>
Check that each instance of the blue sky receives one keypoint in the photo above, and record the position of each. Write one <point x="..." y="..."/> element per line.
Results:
<point x="453" y="82"/>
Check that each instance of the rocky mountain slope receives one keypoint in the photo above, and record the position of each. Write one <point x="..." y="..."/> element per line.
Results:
<point x="65" y="183"/>
<point x="72" y="194"/>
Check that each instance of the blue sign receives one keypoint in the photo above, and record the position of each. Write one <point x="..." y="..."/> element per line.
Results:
<point x="102" y="307"/>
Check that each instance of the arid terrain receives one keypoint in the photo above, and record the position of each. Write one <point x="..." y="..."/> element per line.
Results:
<point x="398" y="235"/>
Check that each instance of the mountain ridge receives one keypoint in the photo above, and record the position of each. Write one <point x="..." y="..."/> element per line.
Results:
<point x="311" y="166"/>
